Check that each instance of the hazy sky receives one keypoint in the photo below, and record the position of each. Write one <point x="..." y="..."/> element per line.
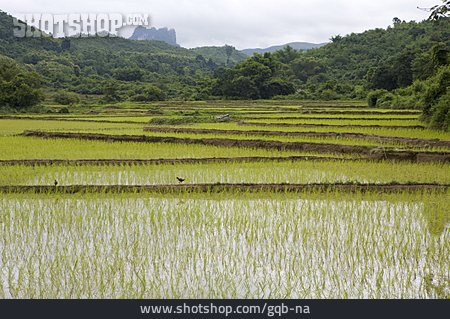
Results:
<point x="244" y="23"/>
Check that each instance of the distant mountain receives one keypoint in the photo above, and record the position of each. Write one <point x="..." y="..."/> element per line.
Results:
<point x="294" y="45"/>
<point x="164" y="34"/>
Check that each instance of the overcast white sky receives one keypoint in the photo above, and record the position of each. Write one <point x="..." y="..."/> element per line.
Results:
<point x="244" y="23"/>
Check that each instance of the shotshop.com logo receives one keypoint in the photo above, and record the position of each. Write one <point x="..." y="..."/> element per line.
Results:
<point x="35" y="25"/>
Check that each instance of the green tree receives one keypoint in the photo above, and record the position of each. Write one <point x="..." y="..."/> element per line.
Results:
<point x="19" y="86"/>
<point x="128" y="74"/>
<point x="66" y="98"/>
<point x="396" y="21"/>
<point x="336" y="38"/>
<point x="148" y="93"/>
<point x="305" y="67"/>
<point x="440" y="54"/>
<point x="277" y="86"/>
<point x="65" y="44"/>
<point x="287" y="54"/>
<point x="228" y="51"/>
<point x="438" y="86"/>
<point x="111" y="93"/>
<point x="254" y="78"/>
<point x="244" y="87"/>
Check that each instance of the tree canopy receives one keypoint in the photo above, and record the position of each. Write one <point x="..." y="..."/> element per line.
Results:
<point x="19" y="86"/>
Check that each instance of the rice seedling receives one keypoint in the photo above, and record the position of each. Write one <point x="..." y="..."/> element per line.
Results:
<point x="298" y="172"/>
<point x="289" y="139"/>
<point x="410" y="133"/>
<point x="282" y="116"/>
<point x="341" y="122"/>
<point x="118" y="119"/>
<point x="11" y="127"/>
<point x="19" y="147"/>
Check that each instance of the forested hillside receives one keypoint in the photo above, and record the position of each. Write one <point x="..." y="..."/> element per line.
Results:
<point x="226" y="55"/>
<point x="402" y="66"/>
<point x="350" y="66"/>
<point x="116" y="68"/>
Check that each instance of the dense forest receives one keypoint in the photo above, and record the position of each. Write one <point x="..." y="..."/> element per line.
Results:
<point x="405" y="65"/>
<point x="115" y="68"/>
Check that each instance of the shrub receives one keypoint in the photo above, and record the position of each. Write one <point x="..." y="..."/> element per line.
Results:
<point x="19" y="86"/>
<point x="329" y="95"/>
<point x="386" y="100"/>
<point x="374" y="96"/>
<point x="276" y="87"/>
<point x="440" y="113"/>
<point x="437" y="88"/>
<point x="359" y="92"/>
<point x="128" y="74"/>
<point x="66" y="98"/>
<point x="148" y="93"/>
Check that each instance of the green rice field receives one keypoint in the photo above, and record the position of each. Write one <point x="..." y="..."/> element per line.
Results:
<point x="383" y="233"/>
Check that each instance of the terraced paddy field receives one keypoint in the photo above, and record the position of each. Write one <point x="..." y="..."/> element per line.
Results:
<point x="224" y="200"/>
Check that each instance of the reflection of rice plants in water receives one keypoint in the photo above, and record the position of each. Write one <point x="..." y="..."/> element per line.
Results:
<point x="156" y="247"/>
